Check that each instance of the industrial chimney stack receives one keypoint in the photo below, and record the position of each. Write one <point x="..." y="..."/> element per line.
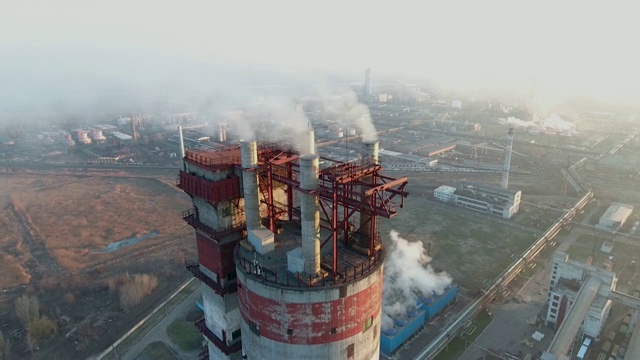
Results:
<point x="310" y="213"/>
<point x="507" y="160"/>
<point x="249" y="158"/>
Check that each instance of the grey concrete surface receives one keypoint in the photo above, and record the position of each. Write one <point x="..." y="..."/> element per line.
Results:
<point x="159" y="332"/>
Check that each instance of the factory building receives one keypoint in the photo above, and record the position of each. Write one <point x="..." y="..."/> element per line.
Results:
<point x="481" y="197"/>
<point x="579" y="302"/>
<point x="615" y="217"/>
<point x="444" y="193"/>
<point x="290" y="252"/>
<point x="404" y="327"/>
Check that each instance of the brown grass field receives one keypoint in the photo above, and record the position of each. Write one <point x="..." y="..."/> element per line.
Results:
<point x="74" y="220"/>
<point x="54" y="230"/>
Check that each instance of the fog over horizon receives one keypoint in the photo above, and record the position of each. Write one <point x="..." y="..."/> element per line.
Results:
<point x="72" y="58"/>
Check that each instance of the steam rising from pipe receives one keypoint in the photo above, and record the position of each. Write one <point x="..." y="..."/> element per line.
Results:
<point x="552" y="124"/>
<point x="407" y="276"/>
<point x="353" y="113"/>
<point x="282" y="119"/>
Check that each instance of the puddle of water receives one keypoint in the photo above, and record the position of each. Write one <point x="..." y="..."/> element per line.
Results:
<point x="117" y="245"/>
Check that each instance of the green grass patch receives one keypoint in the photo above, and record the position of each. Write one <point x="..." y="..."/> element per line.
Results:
<point x="157" y="351"/>
<point x="184" y="334"/>
<point x="457" y="346"/>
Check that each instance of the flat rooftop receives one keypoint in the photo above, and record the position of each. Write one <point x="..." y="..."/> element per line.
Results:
<point x="273" y="266"/>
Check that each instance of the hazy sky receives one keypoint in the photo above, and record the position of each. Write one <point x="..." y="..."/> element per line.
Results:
<point x="569" y="47"/>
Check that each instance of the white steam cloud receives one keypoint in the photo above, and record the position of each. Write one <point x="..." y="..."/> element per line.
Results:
<point x="552" y="124"/>
<point x="407" y="276"/>
<point x="353" y="113"/>
<point x="282" y="119"/>
<point x="555" y="123"/>
<point x="516" y="122"/>
<point x="274" y="118"/>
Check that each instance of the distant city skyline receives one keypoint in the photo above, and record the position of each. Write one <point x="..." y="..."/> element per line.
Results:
<point x="567" y="49"/>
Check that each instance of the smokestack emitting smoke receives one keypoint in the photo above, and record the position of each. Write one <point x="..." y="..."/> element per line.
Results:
<point x="507" y="160"/>
<point x="249" y="158"/>
<point x="407" y="277"/>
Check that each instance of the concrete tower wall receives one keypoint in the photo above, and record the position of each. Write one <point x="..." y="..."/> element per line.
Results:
<point x="226" y="214"/>
<point x="311" y="323"/>
<point x="222" y="314"/>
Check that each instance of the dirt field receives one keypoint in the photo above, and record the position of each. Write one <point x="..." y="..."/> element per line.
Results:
<point x="61" y="235"/>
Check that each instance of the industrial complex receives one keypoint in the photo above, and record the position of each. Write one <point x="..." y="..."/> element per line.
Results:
<point x="291" y="224"/>
<point x="290" y="251"/>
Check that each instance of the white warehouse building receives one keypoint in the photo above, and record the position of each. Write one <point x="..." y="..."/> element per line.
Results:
<point x="481" y="197"/>
<point x="615" y="216"/>
<point x="444" y="193"/>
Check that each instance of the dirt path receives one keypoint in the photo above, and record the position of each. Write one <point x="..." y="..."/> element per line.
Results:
<point x="42" y="262"/>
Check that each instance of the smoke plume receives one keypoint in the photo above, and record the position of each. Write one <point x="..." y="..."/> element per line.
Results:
<point x="552" y="124"/>
<point x="273" y="118"/>
<point x="516" y="122"/>
<point x="350" y="112"/>
<point x="282" y="118"/>
<point x="407" y="276"/>
<point x="555" y="123"/>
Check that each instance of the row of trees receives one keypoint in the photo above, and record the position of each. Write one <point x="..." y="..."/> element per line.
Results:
<point x="132" y="289"/>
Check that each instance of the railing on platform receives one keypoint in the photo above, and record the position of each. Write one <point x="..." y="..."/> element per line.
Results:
<point x="207" y="160"/>
<point x="220" y="344"/>
<point x="194" y="268"/>
<point x="262" y="273"/>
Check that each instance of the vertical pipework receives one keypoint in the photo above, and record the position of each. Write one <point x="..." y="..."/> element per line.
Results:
<point x="308" y="143"/>
<point x="372" y="149"/>
<point x="310" y="213"/>
<point x="371" y="154"/>
<point x="249" y="158"/>
<point x="507" y="160"/>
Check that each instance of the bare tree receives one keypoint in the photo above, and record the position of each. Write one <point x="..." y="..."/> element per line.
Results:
<point x="41" y="329"/>
<point x="31" y="343"/>
<point x="27" y="309"/>
<point x="132" y="293"/>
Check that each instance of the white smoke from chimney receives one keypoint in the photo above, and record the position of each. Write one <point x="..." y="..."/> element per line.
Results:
<point x="517" y="122"/>
<point x="273" y="118"/>
<point x="552" y="124"/>
<point x="353" y="113"/>
<point x="407" y="276"/>
<point x="555" y="123"/>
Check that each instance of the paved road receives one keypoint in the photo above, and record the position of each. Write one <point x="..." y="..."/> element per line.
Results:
<point x="510" y="321"/>
<point x="159" y="332"/>
<point x="510" y="325"/>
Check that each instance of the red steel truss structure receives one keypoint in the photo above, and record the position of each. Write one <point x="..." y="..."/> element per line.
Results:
<point x="346" y="189"/>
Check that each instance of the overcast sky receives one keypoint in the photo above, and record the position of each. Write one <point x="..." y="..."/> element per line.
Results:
<point x="569" y="47"/>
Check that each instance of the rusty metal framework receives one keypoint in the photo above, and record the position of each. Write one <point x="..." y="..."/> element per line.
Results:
<point x="345" y="189"/>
